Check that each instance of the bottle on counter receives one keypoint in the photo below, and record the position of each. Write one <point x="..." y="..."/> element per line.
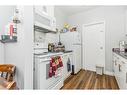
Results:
<point x="49" y="47"/>
<point x="52" y="47"/>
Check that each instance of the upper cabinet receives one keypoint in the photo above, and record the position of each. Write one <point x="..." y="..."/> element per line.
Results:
<point x="47" y="10"/>
<point x="44" y="18"/>
<point x="50" y="11"/>
<point x="126" y="22"/>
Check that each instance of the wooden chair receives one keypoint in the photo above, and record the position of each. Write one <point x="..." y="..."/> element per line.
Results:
<point x="7" y="71"/>
<point x="5" y="85"/>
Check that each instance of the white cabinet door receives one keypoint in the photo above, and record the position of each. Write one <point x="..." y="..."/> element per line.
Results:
<point x="65" y="57"/>
<point x="126" y="22"/>
<point x="123" y="78"/>
<point x="116" y="68"/>
<point x="115" y="65"/>
<point x="120" y="71"/>
<point x="44" y="17"/>
<point x="50" y="10"/>
<point x="47" y="10"/>
<point x="121" y="74"/>
<point x="41" y="9"/>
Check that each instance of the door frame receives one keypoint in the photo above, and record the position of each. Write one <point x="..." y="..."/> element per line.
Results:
<point x="83" y="44"/>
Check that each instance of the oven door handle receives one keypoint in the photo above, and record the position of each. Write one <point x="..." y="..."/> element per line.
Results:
<point x="46" y="60"/>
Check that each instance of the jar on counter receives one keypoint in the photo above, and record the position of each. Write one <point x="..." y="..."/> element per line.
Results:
<point x="49" y="47"/>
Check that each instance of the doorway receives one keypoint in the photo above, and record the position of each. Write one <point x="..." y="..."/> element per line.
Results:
<point x="93" y="45"/>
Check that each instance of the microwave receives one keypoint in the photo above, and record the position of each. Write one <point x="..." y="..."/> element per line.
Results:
<point x="45" y="21"/>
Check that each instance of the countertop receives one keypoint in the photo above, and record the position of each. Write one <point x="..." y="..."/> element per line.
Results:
<point x="122" y="54"/>
<point x="53" y="53"/>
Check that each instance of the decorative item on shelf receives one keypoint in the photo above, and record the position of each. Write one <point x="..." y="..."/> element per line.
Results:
<point x="66" y="27"/>
<point x="65" y="30"/>
<point x="16" y="17"/>
<point x="16" y="21"/>
<point x="10" y="33"/>
<point x="73" y="29"/>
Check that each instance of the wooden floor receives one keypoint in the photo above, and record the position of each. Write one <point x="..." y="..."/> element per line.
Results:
<point x="89" y="80"/>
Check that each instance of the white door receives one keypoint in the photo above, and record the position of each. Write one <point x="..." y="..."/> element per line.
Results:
<point x="93" y="45"/>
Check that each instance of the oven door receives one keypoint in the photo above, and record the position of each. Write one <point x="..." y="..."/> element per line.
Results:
<point x="43" y="79"/>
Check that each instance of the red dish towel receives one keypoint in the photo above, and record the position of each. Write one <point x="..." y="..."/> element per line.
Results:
<point x="55" y="63"/>
<point x="60" y="61"/>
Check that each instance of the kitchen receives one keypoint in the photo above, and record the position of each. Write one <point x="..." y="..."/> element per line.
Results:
<point x="66" y="47"/>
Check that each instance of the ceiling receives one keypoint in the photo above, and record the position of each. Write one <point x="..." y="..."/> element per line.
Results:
<point x="69" y="10"/>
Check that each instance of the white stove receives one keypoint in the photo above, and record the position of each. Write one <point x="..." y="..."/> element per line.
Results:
<point x="41" y="68"/>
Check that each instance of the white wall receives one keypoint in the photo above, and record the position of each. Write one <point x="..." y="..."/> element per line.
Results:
<point x="115" y="30"/>
<point x="21" y="53"/>
<point x="61" y="18"/>
<point x="14" y="55"/>
<point x="5" y="16"/>
<point x="28" y="46"/>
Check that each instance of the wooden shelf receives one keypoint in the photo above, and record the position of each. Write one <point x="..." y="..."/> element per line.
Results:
<point x="7" y="39"/>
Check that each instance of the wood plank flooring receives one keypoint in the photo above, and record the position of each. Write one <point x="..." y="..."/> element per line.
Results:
<point x="89" y="80"/>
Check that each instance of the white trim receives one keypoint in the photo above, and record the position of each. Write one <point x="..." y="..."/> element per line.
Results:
<point x="93" y="23"/>
<point x="109" y="73"/>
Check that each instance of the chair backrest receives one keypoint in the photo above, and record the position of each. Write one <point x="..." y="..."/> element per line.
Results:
<point x="4" y="84"/>
<point x="7" y="71"/>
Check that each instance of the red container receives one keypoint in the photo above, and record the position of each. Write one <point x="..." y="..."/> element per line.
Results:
<point x="11" y="30"/>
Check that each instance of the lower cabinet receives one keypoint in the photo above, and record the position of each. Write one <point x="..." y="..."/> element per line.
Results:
<point x="123" y="75"/>
<point x="120" y="70"/>
<point x="67" y="64"/>
<point x="65" y="57"/>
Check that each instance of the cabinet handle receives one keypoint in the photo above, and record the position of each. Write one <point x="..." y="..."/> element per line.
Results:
<point x="119" y="68"/>
<point x="126" y="77"/>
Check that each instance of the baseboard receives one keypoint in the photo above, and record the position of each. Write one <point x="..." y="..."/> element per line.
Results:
<point x="109" y="73"/>
<point x="105" y="72"/>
